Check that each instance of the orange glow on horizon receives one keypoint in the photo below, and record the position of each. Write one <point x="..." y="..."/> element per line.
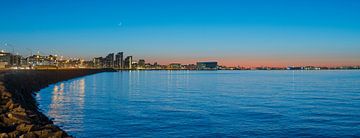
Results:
<point x="267" y="62"/>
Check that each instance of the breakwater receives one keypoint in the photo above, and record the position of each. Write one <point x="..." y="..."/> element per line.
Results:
<point x="19" y="114"/>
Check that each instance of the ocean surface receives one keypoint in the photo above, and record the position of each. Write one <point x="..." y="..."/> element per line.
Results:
<point x="207" y="104"/>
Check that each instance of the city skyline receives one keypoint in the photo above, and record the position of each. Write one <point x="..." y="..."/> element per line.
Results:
<point x="234" y="33"/>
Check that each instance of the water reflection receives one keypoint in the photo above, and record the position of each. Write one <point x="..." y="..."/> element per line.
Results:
<point x="206" y="104"/>
<point x="65" y="96"/>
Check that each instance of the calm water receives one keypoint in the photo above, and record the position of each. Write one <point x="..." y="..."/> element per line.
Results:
<point x="207" y="104"/>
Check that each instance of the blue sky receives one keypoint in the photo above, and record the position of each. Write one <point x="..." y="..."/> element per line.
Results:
<point x="233" y="32"/>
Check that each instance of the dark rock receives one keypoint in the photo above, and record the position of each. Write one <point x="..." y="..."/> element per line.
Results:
<point x="28" y="135"/>
<point x="6" y="128"/>
<point x="8" y="121"/>
<point x="18" y="118"/>
<point x="5" y="95"/>
<point x="2" y="110"/>
<point x="9" y="103"/>
<point x="19" y="112"/>
<point x="58" y="134"/>
<point x="14" y="134"/>
<point x="25" y="128"/>
<point x="4" y="135"/>
<point x="19" y="109"/>
<point x="43" y="133"/>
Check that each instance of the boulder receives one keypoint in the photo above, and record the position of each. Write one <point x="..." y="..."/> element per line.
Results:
<point x="25" y="128"/>
<point x="58" y="134"/>
<point x="18" y="118"/>
<point x="8" y="121"/>
<point x="2" y="110"/>
<point x="9" y="103"/>
<point x="5" y="95"/>
<point x="4" y="135"/>
<point x="19" y="109"/>
<point x="28" y="135"/>
<point x="45" y="133"/>
<point x="14" y="134"/>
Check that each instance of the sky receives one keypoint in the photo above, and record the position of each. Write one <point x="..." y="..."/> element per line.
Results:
<point x="233" y="32"/>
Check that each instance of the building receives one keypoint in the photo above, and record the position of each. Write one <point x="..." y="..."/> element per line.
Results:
<point x="98" y="62"/>
<point x="206" y="65"/>
<point x="190" y="67"/>
<point x="38" y="60"/>
<point x="15" y="60"/>
<point x="119" y="60"/>
<point x="109" y="60"/>
<point x="175" y="66"/>
<point x="128" y="62"/>
<point x="3" y="65"/>
<point x="87" y="64"/>
<point x="141" y="63"/>
<point x="294" y="68"/>
<point x="5" y="58"/>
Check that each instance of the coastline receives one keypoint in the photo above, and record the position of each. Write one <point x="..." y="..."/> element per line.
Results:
<point x="20" y="116"/>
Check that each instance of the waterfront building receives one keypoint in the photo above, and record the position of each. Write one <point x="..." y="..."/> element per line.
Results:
<point x="311" y="68"/>
<point x="39" y="60"/>
<point x="98" y="62"/>
<point x="128" y="62"/>
<point x="156" y="66"/>
<point x="24" y="62"/>
<point x="109" y="60"/>
<point x="190" y="67"/>
<point x="15" y="60"/>
<point x="3" y="65"/>
<point x="295" y="68"/>
<point x="141" y="63"/>
<point x="206" y="65"/>
<point x="87" y="64"/>
<point x="175" y="66"/>
<point x="119" y="60"/>
<point x="5" y="58"/>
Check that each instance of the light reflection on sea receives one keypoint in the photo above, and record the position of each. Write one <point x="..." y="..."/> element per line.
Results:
<point x="207" y="104"/>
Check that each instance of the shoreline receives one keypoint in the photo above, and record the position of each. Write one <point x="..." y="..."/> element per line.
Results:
<point x="20" y="116"/>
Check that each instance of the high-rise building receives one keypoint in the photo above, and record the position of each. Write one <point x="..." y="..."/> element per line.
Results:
<point x="98" y="62"/>
<point x="15" y="60"/>
<point x="141" y="63"/>
<point x="128" y="62"/>
<point x="119" y="61"/>
<point x="109" y="60"/>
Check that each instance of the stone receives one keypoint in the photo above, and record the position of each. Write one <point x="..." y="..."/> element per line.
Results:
<point x="2" y="124"/>
<point x="9" y="103"/>
<point x="8" y="121"/>
<point x="18" y="118"/>
<point x="58" y="134"/>
<point x="50" y="126"/>
<point x="4" y="135"/>
<point x="16" y="96"/>
<point x="6" y="95"/>
<point x="12" y="106"/>
<point x="28" y="135"/>
<point x="24" y="127"/>
<point x="6" y="128"/>
<point x="43" y="133"/>
<point x="14" y="134"/>
<point x="19" y="109"/>
<point x="2" y="110"/>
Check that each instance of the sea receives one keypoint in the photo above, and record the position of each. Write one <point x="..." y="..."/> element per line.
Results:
<point x="287" y="103"/>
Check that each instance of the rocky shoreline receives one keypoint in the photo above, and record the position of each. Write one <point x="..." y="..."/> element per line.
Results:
<point x="19" y="114"/>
